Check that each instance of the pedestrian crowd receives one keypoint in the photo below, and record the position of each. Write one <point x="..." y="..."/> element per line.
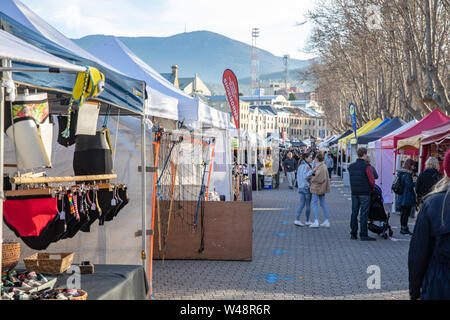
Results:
<point x="427" y="193"/>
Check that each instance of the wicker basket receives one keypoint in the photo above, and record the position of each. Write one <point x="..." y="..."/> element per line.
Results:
<point x="41" y="262"/>
<point x="83" y="296"/>
<point x="10" y="255"/>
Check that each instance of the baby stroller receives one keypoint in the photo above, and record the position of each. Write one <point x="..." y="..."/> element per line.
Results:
<point x="378" y="214"/>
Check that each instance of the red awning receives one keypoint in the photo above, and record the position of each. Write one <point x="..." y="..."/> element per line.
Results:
<point x="437" y="134"/>
<point x="430" y="121"/>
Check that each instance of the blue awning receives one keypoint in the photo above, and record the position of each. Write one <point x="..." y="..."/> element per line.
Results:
<point x="120" y="90"/>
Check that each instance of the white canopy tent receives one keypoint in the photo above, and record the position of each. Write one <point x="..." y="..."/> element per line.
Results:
<point x="102" y="244"/>
<point x="168" y="102"/>
<point x="165" y="100"/>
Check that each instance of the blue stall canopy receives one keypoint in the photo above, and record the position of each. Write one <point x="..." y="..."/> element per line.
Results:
<point x="17" y="50"/>
<point x="335" y="140"/>
<point x="121" y="91"/>
<point x="385" y="121"/>
<point x="381" y="131"/>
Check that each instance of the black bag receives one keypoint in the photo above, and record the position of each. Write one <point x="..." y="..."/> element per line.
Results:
<point x="397" y="186"/>
<point x="62" y="122"/>
<point x="374" y="228"/>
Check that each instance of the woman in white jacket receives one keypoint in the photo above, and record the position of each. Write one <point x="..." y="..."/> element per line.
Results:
<point x="304" y="173"/>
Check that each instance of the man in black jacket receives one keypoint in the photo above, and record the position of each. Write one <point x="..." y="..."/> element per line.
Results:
<point x="362" y="183"/>
<point x="290" y="165"/>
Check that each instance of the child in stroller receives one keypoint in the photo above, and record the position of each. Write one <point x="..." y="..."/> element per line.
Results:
<point x="377" y="213"/>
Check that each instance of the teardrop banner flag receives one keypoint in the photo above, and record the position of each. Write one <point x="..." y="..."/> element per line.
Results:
<point x="230" y="84"/>
<point x="352" y="111"/>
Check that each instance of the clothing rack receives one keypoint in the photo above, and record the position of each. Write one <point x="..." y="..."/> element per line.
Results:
<point x="52" y="190"/>
<point x="31" y="180"/>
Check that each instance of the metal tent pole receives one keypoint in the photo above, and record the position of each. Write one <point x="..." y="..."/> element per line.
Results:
<point x="2" y="145"/>
<point x="143" y="192"/>
<point x="144" y="183"/>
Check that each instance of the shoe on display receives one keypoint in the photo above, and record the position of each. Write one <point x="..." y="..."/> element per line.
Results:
<point x="298" y="223"/>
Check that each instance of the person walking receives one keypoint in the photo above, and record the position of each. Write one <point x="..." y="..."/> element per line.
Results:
<point x="334" y="163"/>
<point x="429" y="249"/>
<point x="374" y="171"/>
<point x="407" y="199"/>
<point x="329" y="163"/>
<point x="304" y="174"/>
<point x="290" y="165"/>
<point x="427" y="179"/>
<point x="320" y="185"/>
<point x="362" y="183"/>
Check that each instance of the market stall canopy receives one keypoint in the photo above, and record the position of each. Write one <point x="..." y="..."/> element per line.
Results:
<point x="324" y="144"/>
<point x="121" y="91"/>
<point x="23" y="15"/>
<point x="380" y="132"/>
<point x="17" y="50"/>
<point x="298" y="144"/>
<point x="336" y="139"/>
<point x="369" y="126"/>
<point x="382" y="123"/>
<point x="165" y="100"/>
<point x="436" y="134"/>
<point x="431" y="120"/>
<point x="200" y="115"/>
<point x="411" y="142"/>
<point x="351" y="134"/>
<point x="377" y="143"/>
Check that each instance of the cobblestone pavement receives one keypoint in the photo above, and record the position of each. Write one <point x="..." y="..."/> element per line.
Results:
<point x="291" y="262"/>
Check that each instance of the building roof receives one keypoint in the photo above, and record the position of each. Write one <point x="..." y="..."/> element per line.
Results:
<point x="268" y="110"/>
<point x="299" y="103"/>
<point x="169" y="77"/>
<point x="216" y="98"/>
<point x="311" y="112"/>
<point x="254" y="98"/>
<point x="184" y="82"/>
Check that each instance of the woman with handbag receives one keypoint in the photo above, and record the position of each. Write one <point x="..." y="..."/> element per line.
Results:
<point x="320" y="185"/>
<point x="427" y="179"/>
<point x="407" y="199"/>
<point x="429" y="250"/>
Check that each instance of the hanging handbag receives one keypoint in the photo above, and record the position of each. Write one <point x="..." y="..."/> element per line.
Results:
<point x="27" y="125"/>
<point x="93" y="154"/>
<point x="87" y="119"/>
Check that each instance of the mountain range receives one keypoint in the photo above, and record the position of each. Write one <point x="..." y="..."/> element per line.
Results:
<point x="204" y="53"/>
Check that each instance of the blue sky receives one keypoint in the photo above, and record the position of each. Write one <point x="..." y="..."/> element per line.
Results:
<point x="232" y="18"/>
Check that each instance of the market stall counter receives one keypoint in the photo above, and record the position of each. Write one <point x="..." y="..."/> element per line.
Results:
<point x="108" y="282"/>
